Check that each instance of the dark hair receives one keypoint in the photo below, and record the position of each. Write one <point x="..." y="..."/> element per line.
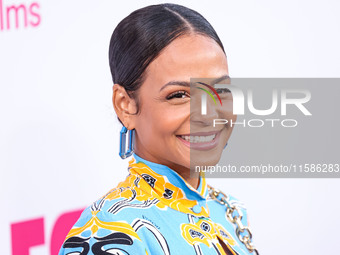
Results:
<point x="140" y="37"/>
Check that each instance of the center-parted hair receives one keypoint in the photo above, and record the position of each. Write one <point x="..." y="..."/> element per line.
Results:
<point x="140" y="37"/>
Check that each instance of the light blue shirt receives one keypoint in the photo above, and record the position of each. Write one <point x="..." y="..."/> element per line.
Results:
<point x="155" y="211"/>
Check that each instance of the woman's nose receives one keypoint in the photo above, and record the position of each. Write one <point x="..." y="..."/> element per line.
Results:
<point x="203" y="108"/>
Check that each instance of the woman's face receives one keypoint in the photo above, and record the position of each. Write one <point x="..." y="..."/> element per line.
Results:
<point x="168" y="112"/>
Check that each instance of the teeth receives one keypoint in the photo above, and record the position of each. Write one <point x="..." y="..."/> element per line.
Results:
<point x="198" y="139"/>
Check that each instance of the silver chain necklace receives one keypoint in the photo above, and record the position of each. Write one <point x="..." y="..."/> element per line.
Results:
<point x="246" y="238"/>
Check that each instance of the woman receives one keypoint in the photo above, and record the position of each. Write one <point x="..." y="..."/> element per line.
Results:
<point x="161" y="208"/>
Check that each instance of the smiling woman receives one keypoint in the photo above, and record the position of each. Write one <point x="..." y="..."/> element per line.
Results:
<point x="161" y="208"/>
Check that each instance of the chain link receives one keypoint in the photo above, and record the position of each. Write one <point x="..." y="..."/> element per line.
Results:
<point x="235" y="215"/>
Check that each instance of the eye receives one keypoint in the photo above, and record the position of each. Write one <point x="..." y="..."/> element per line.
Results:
<point x="177" y="94"/>
<point x="224" y="90"/>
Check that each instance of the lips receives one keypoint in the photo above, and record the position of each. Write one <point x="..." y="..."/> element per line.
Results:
<point x="200" y="140"/>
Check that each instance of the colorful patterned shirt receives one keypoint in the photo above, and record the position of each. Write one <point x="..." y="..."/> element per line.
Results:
<point x="155" y="211"/>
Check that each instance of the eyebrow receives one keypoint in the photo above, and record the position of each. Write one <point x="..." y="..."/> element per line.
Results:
<point x="187" y="84"/>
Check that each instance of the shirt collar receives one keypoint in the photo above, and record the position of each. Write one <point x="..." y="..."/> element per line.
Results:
<point x="171" y="188"/>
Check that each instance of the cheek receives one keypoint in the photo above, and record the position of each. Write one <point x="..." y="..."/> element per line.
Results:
<point x="226" y="112"/>
<point x="171" y="123"/>
<point x="161" y="123"/>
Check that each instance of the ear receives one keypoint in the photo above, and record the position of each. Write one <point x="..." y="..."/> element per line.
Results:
<point x="125" y="107"/>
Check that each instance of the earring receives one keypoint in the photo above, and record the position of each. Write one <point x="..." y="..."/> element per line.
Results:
<point x="225" y="145"/>
<point x="123" y="153"/>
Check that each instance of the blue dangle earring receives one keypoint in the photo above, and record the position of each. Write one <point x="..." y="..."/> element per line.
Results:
<point x="123" y="152"/>
<point x="225" y="145"/>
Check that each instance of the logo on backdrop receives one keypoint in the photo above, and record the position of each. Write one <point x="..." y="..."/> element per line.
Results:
<point x="19" y="15"/>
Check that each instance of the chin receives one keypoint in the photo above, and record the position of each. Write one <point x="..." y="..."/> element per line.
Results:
<point x="205" y="158"/>
<point x="204" y="162"/>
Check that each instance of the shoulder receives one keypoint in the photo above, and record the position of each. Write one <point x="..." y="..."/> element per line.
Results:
<point x="103" y="224"/>
<point x="105" y="213"/>
<point x="117" y="204"/>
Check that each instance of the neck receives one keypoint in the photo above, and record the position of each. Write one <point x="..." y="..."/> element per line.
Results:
<point x="192" y="179"/>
